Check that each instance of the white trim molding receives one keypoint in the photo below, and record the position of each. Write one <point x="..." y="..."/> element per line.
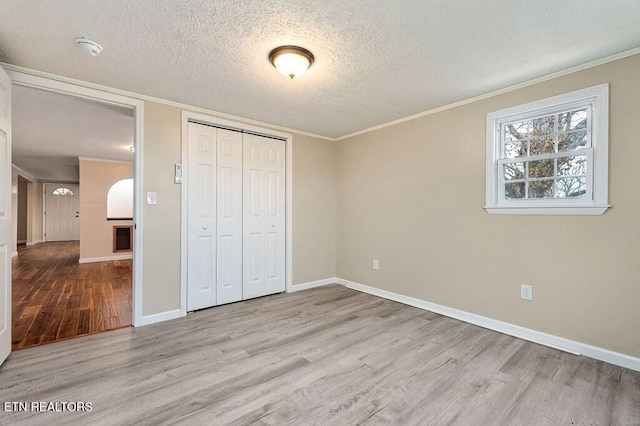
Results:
<point x="106" y="258"/>
<point x="159" y="317"/>
<point x="14" y="254"/>
<point x="28" y="176"/>
<point x="28" y="71"/>
<point x="312" y="284"/>
<point x="102" y="160"/>
<point x="556" y="342"/>
<point x="31" y="72"/>
<point x="508" y="89"/>
<point x="33" y="243"/>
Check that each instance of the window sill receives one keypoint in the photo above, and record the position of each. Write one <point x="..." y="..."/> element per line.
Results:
<point x="559" y="211"/>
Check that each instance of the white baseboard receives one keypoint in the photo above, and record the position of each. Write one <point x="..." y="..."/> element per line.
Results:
<point x="22" y="241"/>
<point x="14" y="254"/>
<point x="33" y="243"/>
<point x="106" y="258"/>
<point x="556" y="342"/>
<point x="162" y="316"/>
<point x="312" y="284"/>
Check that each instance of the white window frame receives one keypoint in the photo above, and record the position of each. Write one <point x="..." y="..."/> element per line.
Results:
<point x="597" y="99"/>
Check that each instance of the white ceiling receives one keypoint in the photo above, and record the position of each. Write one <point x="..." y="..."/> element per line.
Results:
<point x="51" y="130"/>
<point x="376" y="61"/>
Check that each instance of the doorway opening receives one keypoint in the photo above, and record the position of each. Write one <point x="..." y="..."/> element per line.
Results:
<point x="72" y="145"/>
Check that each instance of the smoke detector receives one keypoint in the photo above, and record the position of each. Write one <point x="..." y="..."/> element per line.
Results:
<point x="88" y="46"/>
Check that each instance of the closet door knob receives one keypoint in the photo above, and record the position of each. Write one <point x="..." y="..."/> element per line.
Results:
<point x="204" y="227"/>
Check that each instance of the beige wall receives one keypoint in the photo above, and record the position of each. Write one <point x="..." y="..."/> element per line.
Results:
<point x="412" y="196"/>
<point x="313" y="209"/>
<point x="35" y="212"/>
<point x="161" y="249"/>
<point x="22" y="211"/>
<point x="14" y="211"/>
<point x="96" y="232"/>
<point x="34" y="223"/>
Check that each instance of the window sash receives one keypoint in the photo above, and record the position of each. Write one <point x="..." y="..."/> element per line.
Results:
<point x="561" y="108"/>
<point x="502" y="181"/>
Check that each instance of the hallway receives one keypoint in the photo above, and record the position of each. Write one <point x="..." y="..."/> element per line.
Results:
<point x="56" y="298"/>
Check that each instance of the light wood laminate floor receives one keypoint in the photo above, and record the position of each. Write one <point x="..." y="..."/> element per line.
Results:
<point x="56" y="298"/>
<point x="326" y="356"/>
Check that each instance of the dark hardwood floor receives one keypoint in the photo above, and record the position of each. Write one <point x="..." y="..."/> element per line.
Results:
<point x="56" y="298"/>
<point x="324" y="356"/>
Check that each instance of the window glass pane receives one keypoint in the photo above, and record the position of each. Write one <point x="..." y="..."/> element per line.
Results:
<point x="514" y="190"/>
<point x="542" y="145"/>
<point x="572" y="166"/>
<point x="541" y="168"/>
<point x="518" y="130"/>
<point x="572" y="140"/>
<point x="514" y="171"/>
<point x="544" y="125"/>
<point x="541" y="189"/>
<point x="62" y="191"/>
<point x="573" y="187"/>
<point x="572" y="120"/>
<point x="515" y="149"/>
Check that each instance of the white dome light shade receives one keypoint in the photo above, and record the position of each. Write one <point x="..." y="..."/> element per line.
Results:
<point x="291" y="61"/>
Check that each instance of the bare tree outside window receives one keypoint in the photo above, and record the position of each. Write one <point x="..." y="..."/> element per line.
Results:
<point x="559" y="136"/>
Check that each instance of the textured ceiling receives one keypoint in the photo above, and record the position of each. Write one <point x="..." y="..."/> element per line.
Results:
<point x="376" y="61"/>
<point x="51" y="130"/>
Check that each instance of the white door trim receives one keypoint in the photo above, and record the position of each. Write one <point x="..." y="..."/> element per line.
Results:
<point x="214" y="121"/>
<point x="24" y="79"/>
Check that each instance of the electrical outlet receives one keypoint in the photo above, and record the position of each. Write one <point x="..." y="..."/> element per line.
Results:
<point x="526" y="292"/>
<point x="376" y="264"/>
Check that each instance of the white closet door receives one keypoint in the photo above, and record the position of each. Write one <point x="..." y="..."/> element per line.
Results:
<point x="229" y="215"/>
<point x="264" y="216"/>
<point x="201" y="219"/>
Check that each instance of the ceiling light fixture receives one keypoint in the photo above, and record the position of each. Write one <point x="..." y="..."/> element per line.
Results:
<point x="291" y="61"/>
<point x="90" y="47"/>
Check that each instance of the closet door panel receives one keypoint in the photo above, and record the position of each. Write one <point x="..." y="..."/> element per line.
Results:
<point x="275" y="210"/>
<point x="264" y="220"/>
<point x="201" y="219"/>
<point x="229" y="215"/>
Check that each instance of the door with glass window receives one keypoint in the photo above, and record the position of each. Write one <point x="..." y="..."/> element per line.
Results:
<point x="61" y="210"/>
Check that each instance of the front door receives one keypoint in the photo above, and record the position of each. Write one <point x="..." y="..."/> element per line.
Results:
<point x="62" y="221"/>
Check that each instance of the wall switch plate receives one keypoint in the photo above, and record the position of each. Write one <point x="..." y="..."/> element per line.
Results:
<point x="376" y="264"/>
<point x="151" y="199"/>
<point x="526" y="292"/>
<point x="177" y="173"/>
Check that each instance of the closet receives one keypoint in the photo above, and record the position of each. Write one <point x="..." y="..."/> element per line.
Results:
<point x="235" y="185"/>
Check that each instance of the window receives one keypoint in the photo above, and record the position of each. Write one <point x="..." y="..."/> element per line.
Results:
<point x="550" y="156"/>
<point x="62" y="191"/>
